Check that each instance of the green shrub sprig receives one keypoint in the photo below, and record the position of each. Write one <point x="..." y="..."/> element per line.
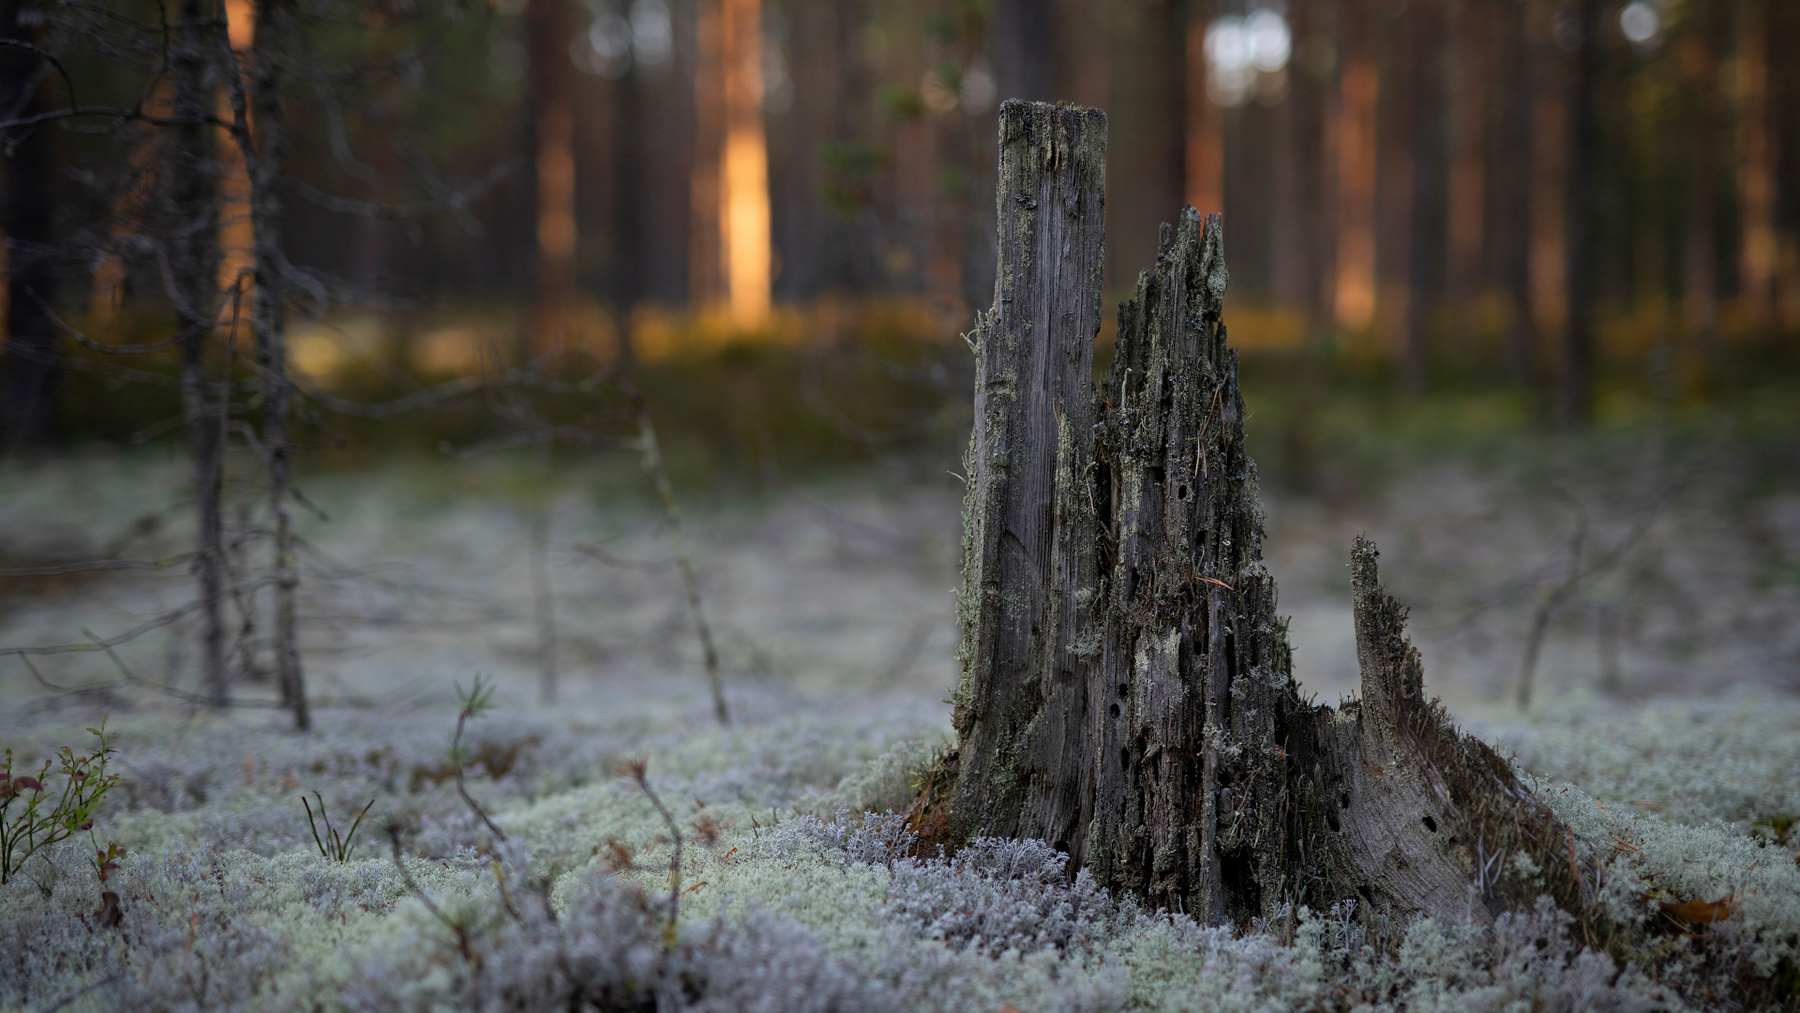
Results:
<point x="29" y="823"/>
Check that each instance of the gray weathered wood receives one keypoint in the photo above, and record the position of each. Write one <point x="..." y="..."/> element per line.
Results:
<point x="1128" y="691"/>
<point x="1021" y="709"/>
<point x="1424" y="818"/>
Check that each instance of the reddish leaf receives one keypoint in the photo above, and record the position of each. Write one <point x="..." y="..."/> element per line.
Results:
<point x="1704" y="912"/>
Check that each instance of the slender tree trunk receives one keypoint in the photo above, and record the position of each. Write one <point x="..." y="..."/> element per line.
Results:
<point x="1083" y="69"/>
<point x="1511" y="206"/>
<point x="237" y="233"/>
<point x="263" y="152"/>
<point x="1405" y="180"/>
<point x="744" y="167"/>
<point x="1783" y="27"/>
<point x="1575" y="380"/>
<point x="1549" y="194"/>
<point x="1425" y="246"/>
<point x="1470" y="27"/>
<point x="29" y="374"/>
<point x="629" y="215"/>
<point x="706" y="257"/>
<point x="1757" y="173"/>
<point x="816" y="70"/>
<point x="196" y="259"/>
<point x="1148" y="47"/>
<point x="553" y="122"/>
<point x="1700" y="235"/>
<point x="1024" y="46"/>
<point x="1203" y="160"/>
<point x="1127" y="691"/>
<point x="1397" y="196"/>
<point x="1359" y="90"/>
<point x="1294" y="216"/>
<point x="1311" y="211"/>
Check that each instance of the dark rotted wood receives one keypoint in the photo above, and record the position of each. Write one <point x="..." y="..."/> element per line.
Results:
<point x="1196" y="666"/>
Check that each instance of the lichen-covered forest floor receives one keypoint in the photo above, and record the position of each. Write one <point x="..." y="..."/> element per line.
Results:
<point x="1664" y="728"/>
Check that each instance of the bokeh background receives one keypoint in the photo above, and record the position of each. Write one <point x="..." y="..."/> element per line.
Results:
<point x="608" y="351"/>
<point x="1450" y="189"/>
<point x="1516" y="285"/>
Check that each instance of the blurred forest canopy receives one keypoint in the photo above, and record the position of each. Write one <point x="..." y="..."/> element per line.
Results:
<point x="1522" y="193"/>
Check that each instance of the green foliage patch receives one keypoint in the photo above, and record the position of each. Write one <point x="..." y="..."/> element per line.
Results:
<point x="34" y="818"/>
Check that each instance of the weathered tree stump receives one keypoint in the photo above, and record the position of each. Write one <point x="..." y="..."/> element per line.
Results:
<point x="1128" y="692"/>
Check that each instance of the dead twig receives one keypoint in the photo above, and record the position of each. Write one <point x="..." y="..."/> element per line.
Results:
<point x="57" y="570"/>
<point x="477" y="700"/>
<point x="653" y="463"/>
<point x="593" y="551"/>
<point x="1552" y="599"/>
<point x="454" y="925"/>
<point x="102" y="644"/>
<point x="637" y="771"/>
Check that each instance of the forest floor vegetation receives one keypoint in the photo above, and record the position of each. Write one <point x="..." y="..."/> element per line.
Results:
<point x="1665" y="732"/>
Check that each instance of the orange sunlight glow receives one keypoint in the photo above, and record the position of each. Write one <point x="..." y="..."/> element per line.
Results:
<point x="1549" y="273"/>
<point x="237" y="233"/>
<point x="241" y="18"/>
<point x="556" y="183"/>
<point x="744" y="224"/>
<point x="1205" y="130"/>
<point x="1355" y="295"/>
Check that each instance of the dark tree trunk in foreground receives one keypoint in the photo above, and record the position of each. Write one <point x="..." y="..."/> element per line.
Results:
<point x="259" y="126"/>
<point x="1128" y="693"/>
<point x="271" y="342"/>
<point x="194" y="257"/>
<point x="29" y="374"/>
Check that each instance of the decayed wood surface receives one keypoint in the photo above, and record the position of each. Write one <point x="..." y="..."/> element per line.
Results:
<point x="1420" y="817"/>
<point x="1029" y="550"/>
<point x="1128" y="692"/>
<point x="1190" y="774"/>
